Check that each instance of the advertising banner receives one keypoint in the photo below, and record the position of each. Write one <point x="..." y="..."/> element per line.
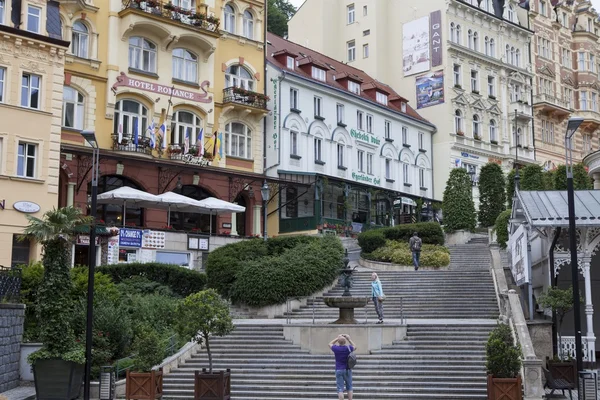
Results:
<point x="518" y="249"/>
<point x="430" y="89"/>
<point x="130" y="237"/>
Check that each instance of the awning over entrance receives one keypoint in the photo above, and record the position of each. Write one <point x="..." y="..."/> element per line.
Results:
<point x="551" y="209"/>
<point x="399" y="202"/>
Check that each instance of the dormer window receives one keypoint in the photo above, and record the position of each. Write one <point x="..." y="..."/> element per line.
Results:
<point x="403" y="107"/>
<point x="319" y="74"/>
<point x="382" y="98"/>
<point x="354" y="87"/>
<point x="290" y="62"/>
<point x="33" y="19"/>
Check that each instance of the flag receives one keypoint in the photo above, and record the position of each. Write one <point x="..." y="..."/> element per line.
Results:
<point x="200" y="143"/>
<point x="152" y="135"/>
<point x="186" y="142"/>
<point x="135" y="132"/>
<point x="220" y="141"/>
<point x="163" y="132"/>
<point x="120" y="133"/>
<point x="214" y="145"/>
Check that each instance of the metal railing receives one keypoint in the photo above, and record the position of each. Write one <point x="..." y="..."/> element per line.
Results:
<point x="10" y="284"/>
<point x="197" y="19"/>
<point x="245" y="97"/>
<point x="128" y="144"/>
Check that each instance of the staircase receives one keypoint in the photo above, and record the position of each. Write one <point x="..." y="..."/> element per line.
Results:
<point x="442" y="358"/>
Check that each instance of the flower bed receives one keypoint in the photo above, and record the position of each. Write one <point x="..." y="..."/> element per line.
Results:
<point x="399" y="253"/>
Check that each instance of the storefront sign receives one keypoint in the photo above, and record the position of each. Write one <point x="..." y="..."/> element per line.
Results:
<point x="275" y="113"/>
<point x="84" y="240"/>
<point x="198" y="243"/>
<point x="467" y="155"/>
<point x="226" y="225"/>
<point x="26" y="207"/>
<point x="495" y="161"/>
<point x="193" y="160"/>
<point x="364" y="137"/>
<point x="130" y="237"/>
<point x="435" y="29"/>
<point x="124" y="80"/>
<point x="366" y="178"/>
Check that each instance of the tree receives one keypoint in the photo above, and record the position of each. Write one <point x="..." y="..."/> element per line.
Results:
<point x="561" y="302"/>
<point x="54" y="305"/>
<point x="492" y="196"/>
<point x="202" y="315"/>
<point x="501" y="228"/>
<point x="532" y="178"/>
<point x="548" y="178"/>
<point x="458" y="206"/>
<point x="510" y="186"/>
<point x="279" y="12"/>
<point x="581" y="180"/>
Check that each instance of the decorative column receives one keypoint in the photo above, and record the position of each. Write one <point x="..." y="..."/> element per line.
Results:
<point x="256" y="220"/>
<point x="234" y="224"/>
<point x="596" y="177"/>
<point x="70" y="194"/>
<point x="589" y="308"/>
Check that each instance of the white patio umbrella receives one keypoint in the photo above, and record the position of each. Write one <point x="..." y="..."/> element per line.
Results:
<point x="179" y="202"/>
<point x="126" y="195"/>
<point x="216" y="206"/>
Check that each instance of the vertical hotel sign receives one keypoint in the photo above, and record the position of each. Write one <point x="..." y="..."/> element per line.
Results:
<point x="435" y="39"/>
<point x="275" y="113"/>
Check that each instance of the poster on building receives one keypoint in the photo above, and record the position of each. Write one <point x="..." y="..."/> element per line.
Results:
<point x="520" y="261"/>
<point x="430" y="89"/>
<point x="416" y="51"/>
<point x="435" y="31"/>
<point x="130" y="237"/>
<point x="153" y="239"/>
<point x="113" y="250"/>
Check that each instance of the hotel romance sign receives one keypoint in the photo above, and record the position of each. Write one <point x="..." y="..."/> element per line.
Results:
<point x="124" y="81"/>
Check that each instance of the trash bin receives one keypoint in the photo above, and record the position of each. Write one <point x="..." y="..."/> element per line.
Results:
<point x="588" y="385"/>
<point x="107" y="383"/>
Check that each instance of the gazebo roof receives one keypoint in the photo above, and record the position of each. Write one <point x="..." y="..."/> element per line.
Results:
<point x="550" y="208"/>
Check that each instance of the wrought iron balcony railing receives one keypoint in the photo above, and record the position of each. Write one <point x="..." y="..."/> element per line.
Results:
<point x="128" y="144"/>
<point x="245" y="97"/>
<point x="194" y="18"/>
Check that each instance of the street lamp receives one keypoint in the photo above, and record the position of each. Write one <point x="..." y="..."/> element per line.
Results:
<point x="90" y="137"/>
<point x="572" y="127"/>
<point x="265" y="192"/>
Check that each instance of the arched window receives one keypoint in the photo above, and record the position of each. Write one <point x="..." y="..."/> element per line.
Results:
<point x="458" y="34"/>
<point x="248" y="25"/>
<point x="130" y="117"/>
<point x="200" y="223"/>
<point x="486" y="46"/>
<point x="507" y="54"/>
<point x="475" y="41"/>
<point x="72" y="108"/>
<point x="142" y="54"/>
<point x="452" y="32"/>
<point x="229" y="19"/>
<point x="492" y="48"/>
<point x="80" y="41"/>
<point x="512" y="55"/>
<point x="511" y="13"/>
<point x="112" y="214"/>
<point x="186" y="4"/>
<point x="470" y="38"/>
<point x="238" y="140"/>
<point x="518" y="58"/>
<point x="185" y="65"/>
<point x="476" y="123"/>
<point x="493" y="137"/>
<point x="458" y="121"/>
<point x="184" y="122"/>
<point x="238" y="76"/>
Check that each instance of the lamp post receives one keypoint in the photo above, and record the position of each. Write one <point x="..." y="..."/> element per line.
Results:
<point x="265" y="192"/>
<point x="572" y="127"/>
<point x="90" y="137"/>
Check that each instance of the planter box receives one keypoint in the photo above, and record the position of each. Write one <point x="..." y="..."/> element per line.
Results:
<point x="215" y="386"/>
<point x="57" y="379"/>
<point x="504" y="388"/>
<point x="566" y="370"/>
<point x="144" y="385"/>
<point x="25" y="369"/>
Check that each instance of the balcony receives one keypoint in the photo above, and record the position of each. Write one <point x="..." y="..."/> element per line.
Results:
<point x="551" y="105"/>
<point x="523" y="109"/>
<point x="127" y="145"/>
<point x="247" y="98"/>
<point x="176" y="152"/>
<point x="195" y="19"/>
<point x="591" y="119"/>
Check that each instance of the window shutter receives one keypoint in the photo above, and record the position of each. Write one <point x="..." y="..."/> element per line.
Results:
<point x="16" y="13"/>
<point x="53" y="24"/>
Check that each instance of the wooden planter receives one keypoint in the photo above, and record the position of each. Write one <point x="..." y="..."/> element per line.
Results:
<point x="57" y="379"/>
<point x="144" y="385"/>
<point x="566" y="370"/>
<point x="504" y="388"/>
<point x="215" y="386"/>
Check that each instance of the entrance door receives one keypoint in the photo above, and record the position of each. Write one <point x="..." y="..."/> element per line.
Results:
<point x="82" y="255"/>
<point x="240" y="218"/>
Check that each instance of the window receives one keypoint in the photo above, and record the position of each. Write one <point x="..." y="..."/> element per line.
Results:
<point x="248" y="25"/>
<point x="458" y="122"/>
<point x="229" y="19"/>
<point x="294" y="143"/>
<point x="351" y="14"/>
<point x="30" y="90"/>
<point x="185" y="122"/>
<point x="2" y="80"/>
<point x="319" y="74"/>
<point x="492" y="48"/>
<point x="238" y="140"/>
<point x="369" y="123"/>
<point x="587" y="143"/>
<point x="405" y="174"/>
<point x="339" y="111"/>
<point x="388" y="168"/>
<point x="491" y="86"/>
<point x="583" y="100"/>
<point x="382" y="98"/>
<point x="592" y="63"/>
<point x="476" y="130"/>
<point x="547" y="132"/>
<point x="404" y="135"/>
<point x="351" y="50"/>
<point x="365" y="11"/>
<point x="581" y="61"/>
<point x="457" y="80"/>
<point x="458" y="34"/>
<point x="511" y="13"/>
<point x="387" y="129"/>
<point x="367" y="32"/>
<point x="291" y="205"/>
<point x="2" y="10"/>
<point x="544" y="47"/>
<point x="142" y="54"/>
<point x="354" y="87"/>
<point x="421" y="177"/>
<point x="475" y="41"/>
<point x="470" y="39"/>
<point x="486" y="46"/>
<point x="493" y="135"/>
<point x="359" y="120"/>
<point x="452" y="32"/>
<point x="318" y="145"/>
<point x="361" y="161"/>
<point x="238" y="76"/>
<point x="474" y="81"/>
<point x="340" y="155"/>
<point x="33" y="19"/>
<point x="568" y="96"/>
<point x="72" y="108"/>
<point x="318" y="110"/>
<point x="421" y="138"/>
<point x="566" y="58"/>
<point x="185" y="65"/>
<point x="515" y="92"/>
<point x="543" y="8"/>
<point x="130" y="117"/>
<point x="80" y="41"/>
<point x="518" y="58"/>
<point x="294" y="99"/>
<point x="594" y="101"/>
<point x="564" y="20"/>
<point x="366" y="50"/>
<point x="369" y="163"/>
<point x="26" y="160"/>
<point x="290" y="62"/>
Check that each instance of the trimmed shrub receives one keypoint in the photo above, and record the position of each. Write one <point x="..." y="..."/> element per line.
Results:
<point x="532" y="178"/>
<point x="581" y="179"/>
<point x="399" y="253"/>
<point x="492" y="196"/>
<point x="458" y="205"/>
<point x="278" y="245"/>
<point x="297" y="272"/>
<point x="510" y="187"/>
<point x="501" y="228"/>
<point x="181" y="280"/>
<point x="429" y="232"/>
<point x="503" y="356"/>
<point x="226" y="262"/>
<point x="371" y="240"/>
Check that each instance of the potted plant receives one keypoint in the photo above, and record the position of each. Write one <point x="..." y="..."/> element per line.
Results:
<point x="477" y="137"/>
<point x="202" y="315"/>
<point x="58" y="367"/>
<point x="143" y="381"/>
<point x="460" y="133"/>
<point x="503" y="365"/>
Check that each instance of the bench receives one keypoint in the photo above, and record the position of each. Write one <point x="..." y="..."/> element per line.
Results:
<point x="557" y="384"/>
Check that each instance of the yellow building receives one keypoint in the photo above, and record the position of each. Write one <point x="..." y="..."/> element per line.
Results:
<point x="32" y="59"/>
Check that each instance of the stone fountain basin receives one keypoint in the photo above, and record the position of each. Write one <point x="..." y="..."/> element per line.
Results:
<point x="346" y="301"/>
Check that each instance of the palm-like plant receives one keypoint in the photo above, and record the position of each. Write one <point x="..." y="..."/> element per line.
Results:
<point x="54" y="305"/>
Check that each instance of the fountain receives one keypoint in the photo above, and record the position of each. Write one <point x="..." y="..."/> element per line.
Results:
<point x="346" y="302"/>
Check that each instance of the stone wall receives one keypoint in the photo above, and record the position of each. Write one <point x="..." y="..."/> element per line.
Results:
<point x="12" y="317"/>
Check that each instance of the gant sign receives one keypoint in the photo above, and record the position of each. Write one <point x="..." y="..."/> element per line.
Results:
<point x="124" y="80"/>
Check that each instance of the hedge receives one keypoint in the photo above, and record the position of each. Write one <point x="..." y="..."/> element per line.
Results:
<point x="429" y="232"/>
<point x="399" y="253"/>
<point x="457" y="205"/>
<point x="297" y="272"/>
<point x="181" y="280"/>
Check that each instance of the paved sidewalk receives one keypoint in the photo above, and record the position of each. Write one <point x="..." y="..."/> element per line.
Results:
<point x="19" y="393"/>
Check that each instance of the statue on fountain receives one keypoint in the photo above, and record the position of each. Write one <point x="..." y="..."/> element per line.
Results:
<point x="346" y="280"/>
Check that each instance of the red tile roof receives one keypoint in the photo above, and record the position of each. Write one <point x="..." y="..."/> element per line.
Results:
<point x="336" y="70"/>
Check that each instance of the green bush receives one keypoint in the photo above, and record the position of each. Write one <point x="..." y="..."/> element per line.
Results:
<point x="429" y="232"/>
<point x="371" y="240"/>
<point x="581" y="179"/>
<point x="300" y="271"/>
<point x="400" y="253"/>
<point x="148" y="349"/>
<point x="503" y="357"/>
<point x="458" y="206"/>
<point x="492" y="196"/>
<point x="532" y="178"/>
<point x="226" y="262"/>
<point x="103" y="284"/>
<point x="510" y="187"/>
<point x="32" y="276"/>
<point x="278" y="245"/>
<point x="181" y="280"/>
<point x="501" y="228"/>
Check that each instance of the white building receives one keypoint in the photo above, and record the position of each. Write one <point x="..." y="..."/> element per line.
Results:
<point x="466" y="68"/>
<point x="345" y="147"/>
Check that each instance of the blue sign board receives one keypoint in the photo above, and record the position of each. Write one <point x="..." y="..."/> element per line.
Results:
<point x="130" y="237"/>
